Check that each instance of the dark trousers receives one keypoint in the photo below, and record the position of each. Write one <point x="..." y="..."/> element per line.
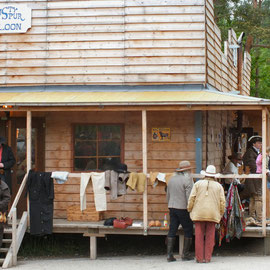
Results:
<point x="177" y="217"/>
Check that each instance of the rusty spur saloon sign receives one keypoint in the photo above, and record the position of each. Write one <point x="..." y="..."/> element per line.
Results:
<point x="14" y="18"/>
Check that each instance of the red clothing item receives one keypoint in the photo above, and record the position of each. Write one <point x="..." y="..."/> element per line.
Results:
<point x="204" y="240"/>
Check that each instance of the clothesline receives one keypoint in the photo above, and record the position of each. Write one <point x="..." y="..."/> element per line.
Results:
<point x="78" y="175"/>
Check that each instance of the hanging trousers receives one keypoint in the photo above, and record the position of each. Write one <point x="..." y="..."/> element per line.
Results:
<point x="204" y="240"/>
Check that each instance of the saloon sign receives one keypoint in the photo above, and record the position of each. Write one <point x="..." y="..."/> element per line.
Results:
<point x="14" y="18"/>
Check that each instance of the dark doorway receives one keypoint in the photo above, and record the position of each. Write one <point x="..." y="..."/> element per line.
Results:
<point x="17" y="130"/>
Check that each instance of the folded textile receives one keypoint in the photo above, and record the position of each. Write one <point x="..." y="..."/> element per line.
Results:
<point x="60" y="177"/>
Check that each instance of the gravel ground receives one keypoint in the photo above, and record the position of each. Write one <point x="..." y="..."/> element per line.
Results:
<point x="134" y="252"/>
<point x="147" y="262"/>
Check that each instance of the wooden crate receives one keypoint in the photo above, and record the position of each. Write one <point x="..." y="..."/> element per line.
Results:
<point x="74" y="213"/>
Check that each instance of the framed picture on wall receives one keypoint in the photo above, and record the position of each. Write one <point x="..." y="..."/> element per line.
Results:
<point x="161" y="134"/>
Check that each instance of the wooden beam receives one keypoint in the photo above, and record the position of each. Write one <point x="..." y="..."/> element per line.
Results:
<point x="28" y="152"/>
<point x="159" y="107"/>
<point x="144" y="157"/>
<point x="264" y="172"/>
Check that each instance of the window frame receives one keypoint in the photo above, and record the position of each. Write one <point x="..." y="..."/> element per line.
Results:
<point x="122" y="142"/>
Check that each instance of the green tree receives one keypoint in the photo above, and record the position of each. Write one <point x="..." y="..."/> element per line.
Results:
<point x="253" y="18"/>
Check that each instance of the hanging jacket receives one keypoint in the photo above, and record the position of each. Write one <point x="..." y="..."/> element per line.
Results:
<point x="41" y="195"/>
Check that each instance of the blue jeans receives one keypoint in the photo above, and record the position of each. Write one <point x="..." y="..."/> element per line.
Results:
<point x="177" y="217"/>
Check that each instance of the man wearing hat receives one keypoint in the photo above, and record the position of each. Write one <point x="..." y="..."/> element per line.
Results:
<point x="178" y="191"/>
<point x="206" y="206"/>
<point x="253" y="187"/>
<point x="235" y="160"/>
<point x="7" y="160"/>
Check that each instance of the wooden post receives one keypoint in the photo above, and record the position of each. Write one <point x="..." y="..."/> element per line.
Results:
<point x="93" y="247"/>
<point x="264" y="172"/>
<point x="28" y="151"/>
<point x="144" y="153"/>
<point x="14" y="237"/>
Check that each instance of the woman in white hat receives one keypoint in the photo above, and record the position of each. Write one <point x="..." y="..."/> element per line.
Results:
<point x="206" y="205"/>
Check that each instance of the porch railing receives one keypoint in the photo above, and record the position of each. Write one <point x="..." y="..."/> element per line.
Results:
<point x="17" y="231"/>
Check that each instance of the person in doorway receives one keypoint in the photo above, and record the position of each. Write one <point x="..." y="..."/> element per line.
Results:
<point x="7" y="161"/>
<point x="235" y="161"/>
<point x="4" y="201"/>
<point x="253" y="187"/>
<point x="206" y="205"/>
<point x="178" y="191"/>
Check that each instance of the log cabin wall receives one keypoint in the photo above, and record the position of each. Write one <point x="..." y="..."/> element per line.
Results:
<point x="222" y="73"/>
<point x="107" y="42"/>
<point x="162" y="156"/>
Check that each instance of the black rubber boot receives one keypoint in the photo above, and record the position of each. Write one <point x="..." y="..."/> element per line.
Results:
<point x="170" y="245"/>
<point x="187" y="256"/>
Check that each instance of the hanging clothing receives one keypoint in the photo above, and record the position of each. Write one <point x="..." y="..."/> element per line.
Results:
<point x="60" y="177"/>
<point x="156" y="177"/>
<point x="41" y="195"/>
<point x="116" y="183"/>
<point x="137" y="181"/>
<point x="85" y="177"/>
<point x="232" y="223"/>
<point x="98" y="180"/>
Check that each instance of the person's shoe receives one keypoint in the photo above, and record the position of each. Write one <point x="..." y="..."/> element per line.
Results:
<point x="170" y="245"/>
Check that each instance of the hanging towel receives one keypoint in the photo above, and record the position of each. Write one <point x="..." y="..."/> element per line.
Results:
<point x="98" y="180"/>
<point x="60" y="177"/>
<point x="85" y="177"/>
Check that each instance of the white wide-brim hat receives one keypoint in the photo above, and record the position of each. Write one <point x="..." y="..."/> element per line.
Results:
<point x="210" y="171"/>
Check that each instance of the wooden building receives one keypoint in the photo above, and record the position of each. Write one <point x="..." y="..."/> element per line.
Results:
<point x="120" y="69"/>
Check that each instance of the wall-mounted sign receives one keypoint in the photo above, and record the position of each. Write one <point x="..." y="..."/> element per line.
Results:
<point x="161" y="134"/>
<point x="14" y="18"/>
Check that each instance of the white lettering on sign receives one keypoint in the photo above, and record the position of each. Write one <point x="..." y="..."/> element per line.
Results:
<point x="15" y="18"/>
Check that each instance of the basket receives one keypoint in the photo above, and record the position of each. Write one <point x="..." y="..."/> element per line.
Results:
<point x="74" y="213"/>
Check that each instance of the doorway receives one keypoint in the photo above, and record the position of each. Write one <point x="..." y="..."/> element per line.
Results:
<point x="18" y="145"/>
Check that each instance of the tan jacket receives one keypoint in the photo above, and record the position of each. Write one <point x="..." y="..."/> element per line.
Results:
<point x="206" y="201"/>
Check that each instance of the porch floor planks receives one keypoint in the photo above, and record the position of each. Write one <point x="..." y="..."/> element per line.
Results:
<point x="65" y="226"/>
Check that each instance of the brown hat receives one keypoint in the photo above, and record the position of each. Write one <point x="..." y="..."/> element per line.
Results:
<point x="183" y="166"/>
<point x="237" y="156"/>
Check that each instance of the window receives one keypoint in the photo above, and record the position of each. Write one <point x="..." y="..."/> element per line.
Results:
<point x="97" y="147"/>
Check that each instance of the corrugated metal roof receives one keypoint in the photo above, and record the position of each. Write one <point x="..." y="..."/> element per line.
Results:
<point x="126" y="98"/>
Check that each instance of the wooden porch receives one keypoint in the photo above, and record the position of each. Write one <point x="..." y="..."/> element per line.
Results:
<point x="93" y="230"/>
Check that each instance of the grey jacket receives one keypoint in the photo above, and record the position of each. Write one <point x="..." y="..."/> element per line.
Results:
<point x="178" y="191"/>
